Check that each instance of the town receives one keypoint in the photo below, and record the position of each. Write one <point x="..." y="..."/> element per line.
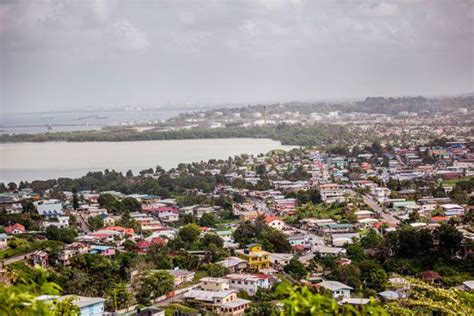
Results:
<point x="380" y="227"/>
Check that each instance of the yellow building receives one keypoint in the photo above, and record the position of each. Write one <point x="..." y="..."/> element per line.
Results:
<point x="254" y="255"/>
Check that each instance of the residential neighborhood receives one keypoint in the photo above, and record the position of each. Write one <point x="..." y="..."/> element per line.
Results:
<point x="222" y="236"/>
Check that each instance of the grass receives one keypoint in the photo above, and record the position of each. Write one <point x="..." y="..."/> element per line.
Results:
<point x="453" y="182"/>
<point x="172" y="308"/>
<point x="19" y="246"/>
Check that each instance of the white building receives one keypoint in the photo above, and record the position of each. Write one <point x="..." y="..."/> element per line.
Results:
<point x="249" y="283"/>
<point x="338" y="289"/>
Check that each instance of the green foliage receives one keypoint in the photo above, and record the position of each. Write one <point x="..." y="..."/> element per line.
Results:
<point x="216" y="270"/>
<point x="209" y="239"/>
<point x="259" y="232"/>
<point x="310" y="210"/>
<point x="301" y="301"/>
<point x="126" y="205"/>
<point x="296" y="269"/>
<point x="119" y="296"/>
<point x="65" y="307"/>
<point x="309" y="135"/>
<point x="95" y="222"/>
<point x="91" y="275"/>
<point x="20" y="298"/>
<point x="208" y="220"/>
<point x="189" y="234"/>
<point x="152" y="284"/>
<point x="21" y="246"/>
<point x="427" y="299"/>
<point x="65" y="235"/>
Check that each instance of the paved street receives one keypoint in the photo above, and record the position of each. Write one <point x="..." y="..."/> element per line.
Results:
<point x="14" y="259"/>
<point x="379" y="210"/>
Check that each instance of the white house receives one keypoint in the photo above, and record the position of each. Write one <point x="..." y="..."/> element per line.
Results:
<point x="249" y="283"/>
<point x="338" y="289"/>
<point x="49" y="208"/>
<point x="275" y="222"/>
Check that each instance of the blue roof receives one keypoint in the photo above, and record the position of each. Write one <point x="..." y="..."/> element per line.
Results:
<point x="101" y="248"/>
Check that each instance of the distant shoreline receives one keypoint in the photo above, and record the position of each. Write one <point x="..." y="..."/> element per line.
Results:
<point x="295" y="135"/>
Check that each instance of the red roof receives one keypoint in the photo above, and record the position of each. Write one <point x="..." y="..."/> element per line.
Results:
<point x="270" y="219"/>
<point x="11" y="228"/>
<point x="157" y="241"/>
<point x="143" y="244"/>
<point x="439" y="218"/>
<point x="124" y="230"/>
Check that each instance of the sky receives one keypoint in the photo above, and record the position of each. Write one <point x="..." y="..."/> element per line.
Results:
<point x="60" y="55"/>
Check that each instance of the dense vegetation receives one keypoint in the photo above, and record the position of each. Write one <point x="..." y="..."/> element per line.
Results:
<point x="287" y="134"/>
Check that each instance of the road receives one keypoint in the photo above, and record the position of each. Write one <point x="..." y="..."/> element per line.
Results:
<point x="389" y="218"/>
<point x="84" y="226"/>
<point x="14" y="259"/>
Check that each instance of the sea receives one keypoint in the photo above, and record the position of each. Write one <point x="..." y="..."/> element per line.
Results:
<point x="51" y="160"/>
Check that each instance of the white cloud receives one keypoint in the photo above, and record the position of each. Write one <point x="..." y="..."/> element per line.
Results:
<point x="129" y="38"/>
<point x="103" y="9"/>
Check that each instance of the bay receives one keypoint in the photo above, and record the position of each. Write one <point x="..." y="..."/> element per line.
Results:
<point x="40" y="161"/>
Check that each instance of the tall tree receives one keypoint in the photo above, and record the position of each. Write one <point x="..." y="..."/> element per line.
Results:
<point x="75" y="199"/>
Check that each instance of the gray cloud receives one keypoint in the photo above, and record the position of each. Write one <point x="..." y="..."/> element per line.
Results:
<point x="60" y="54"/>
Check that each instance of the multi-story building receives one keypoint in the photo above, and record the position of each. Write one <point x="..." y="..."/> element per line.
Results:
<point x="332" y="193"/>
<point x="249" y="283"/>
<point x="256" y="257"/>
<point x="216" y="296"/>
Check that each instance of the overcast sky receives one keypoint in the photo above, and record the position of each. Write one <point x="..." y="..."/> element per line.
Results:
<point x="76" y="53"/>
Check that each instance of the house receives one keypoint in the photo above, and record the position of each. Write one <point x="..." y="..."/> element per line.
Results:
<point x="296" y="240"/>
<point x="124" y="230"/>
<point x="389" y="295"/>
<point x="143" y="246"/>
<point x="249" y="283"/>
<point x="49" y="208"/>
<point x="146" y="311"/>
<point x="364" y="214"/>
<point x="108" y="220"/>
<point x="274" y="222"/>
<point x="453" y="209"/>
<point x="3" y="241"/>
<point x="380" y="194"/>
<point x="164" y="213"/>
<point x="279" y="260"/>
<point x="330" y="251"/>
<point x="59" y="221"/>
<point x="39" y="258"/>
<point x="214" y="284"/>
<point x="254" y="255"/>
<point x="335" y="228"/>
<point x="88" y="306"/>
<point x="249" y="216"/>
<point x="338" y="289"/>
<point x="468" y="285"/>
<point x="181" y="276"/>
<point x="234" y="264"/>
<point x="339" y="240"/>
<point x="105" y="251"/>
<point x="226" y="235"/>
<point x="15" y="229"/>
<point x="72" y="250"/>
<point x="216" y="296"/>
<point x="332" y="193"/>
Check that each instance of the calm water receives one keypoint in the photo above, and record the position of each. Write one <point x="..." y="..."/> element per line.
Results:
<point x="35" y="161"/>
